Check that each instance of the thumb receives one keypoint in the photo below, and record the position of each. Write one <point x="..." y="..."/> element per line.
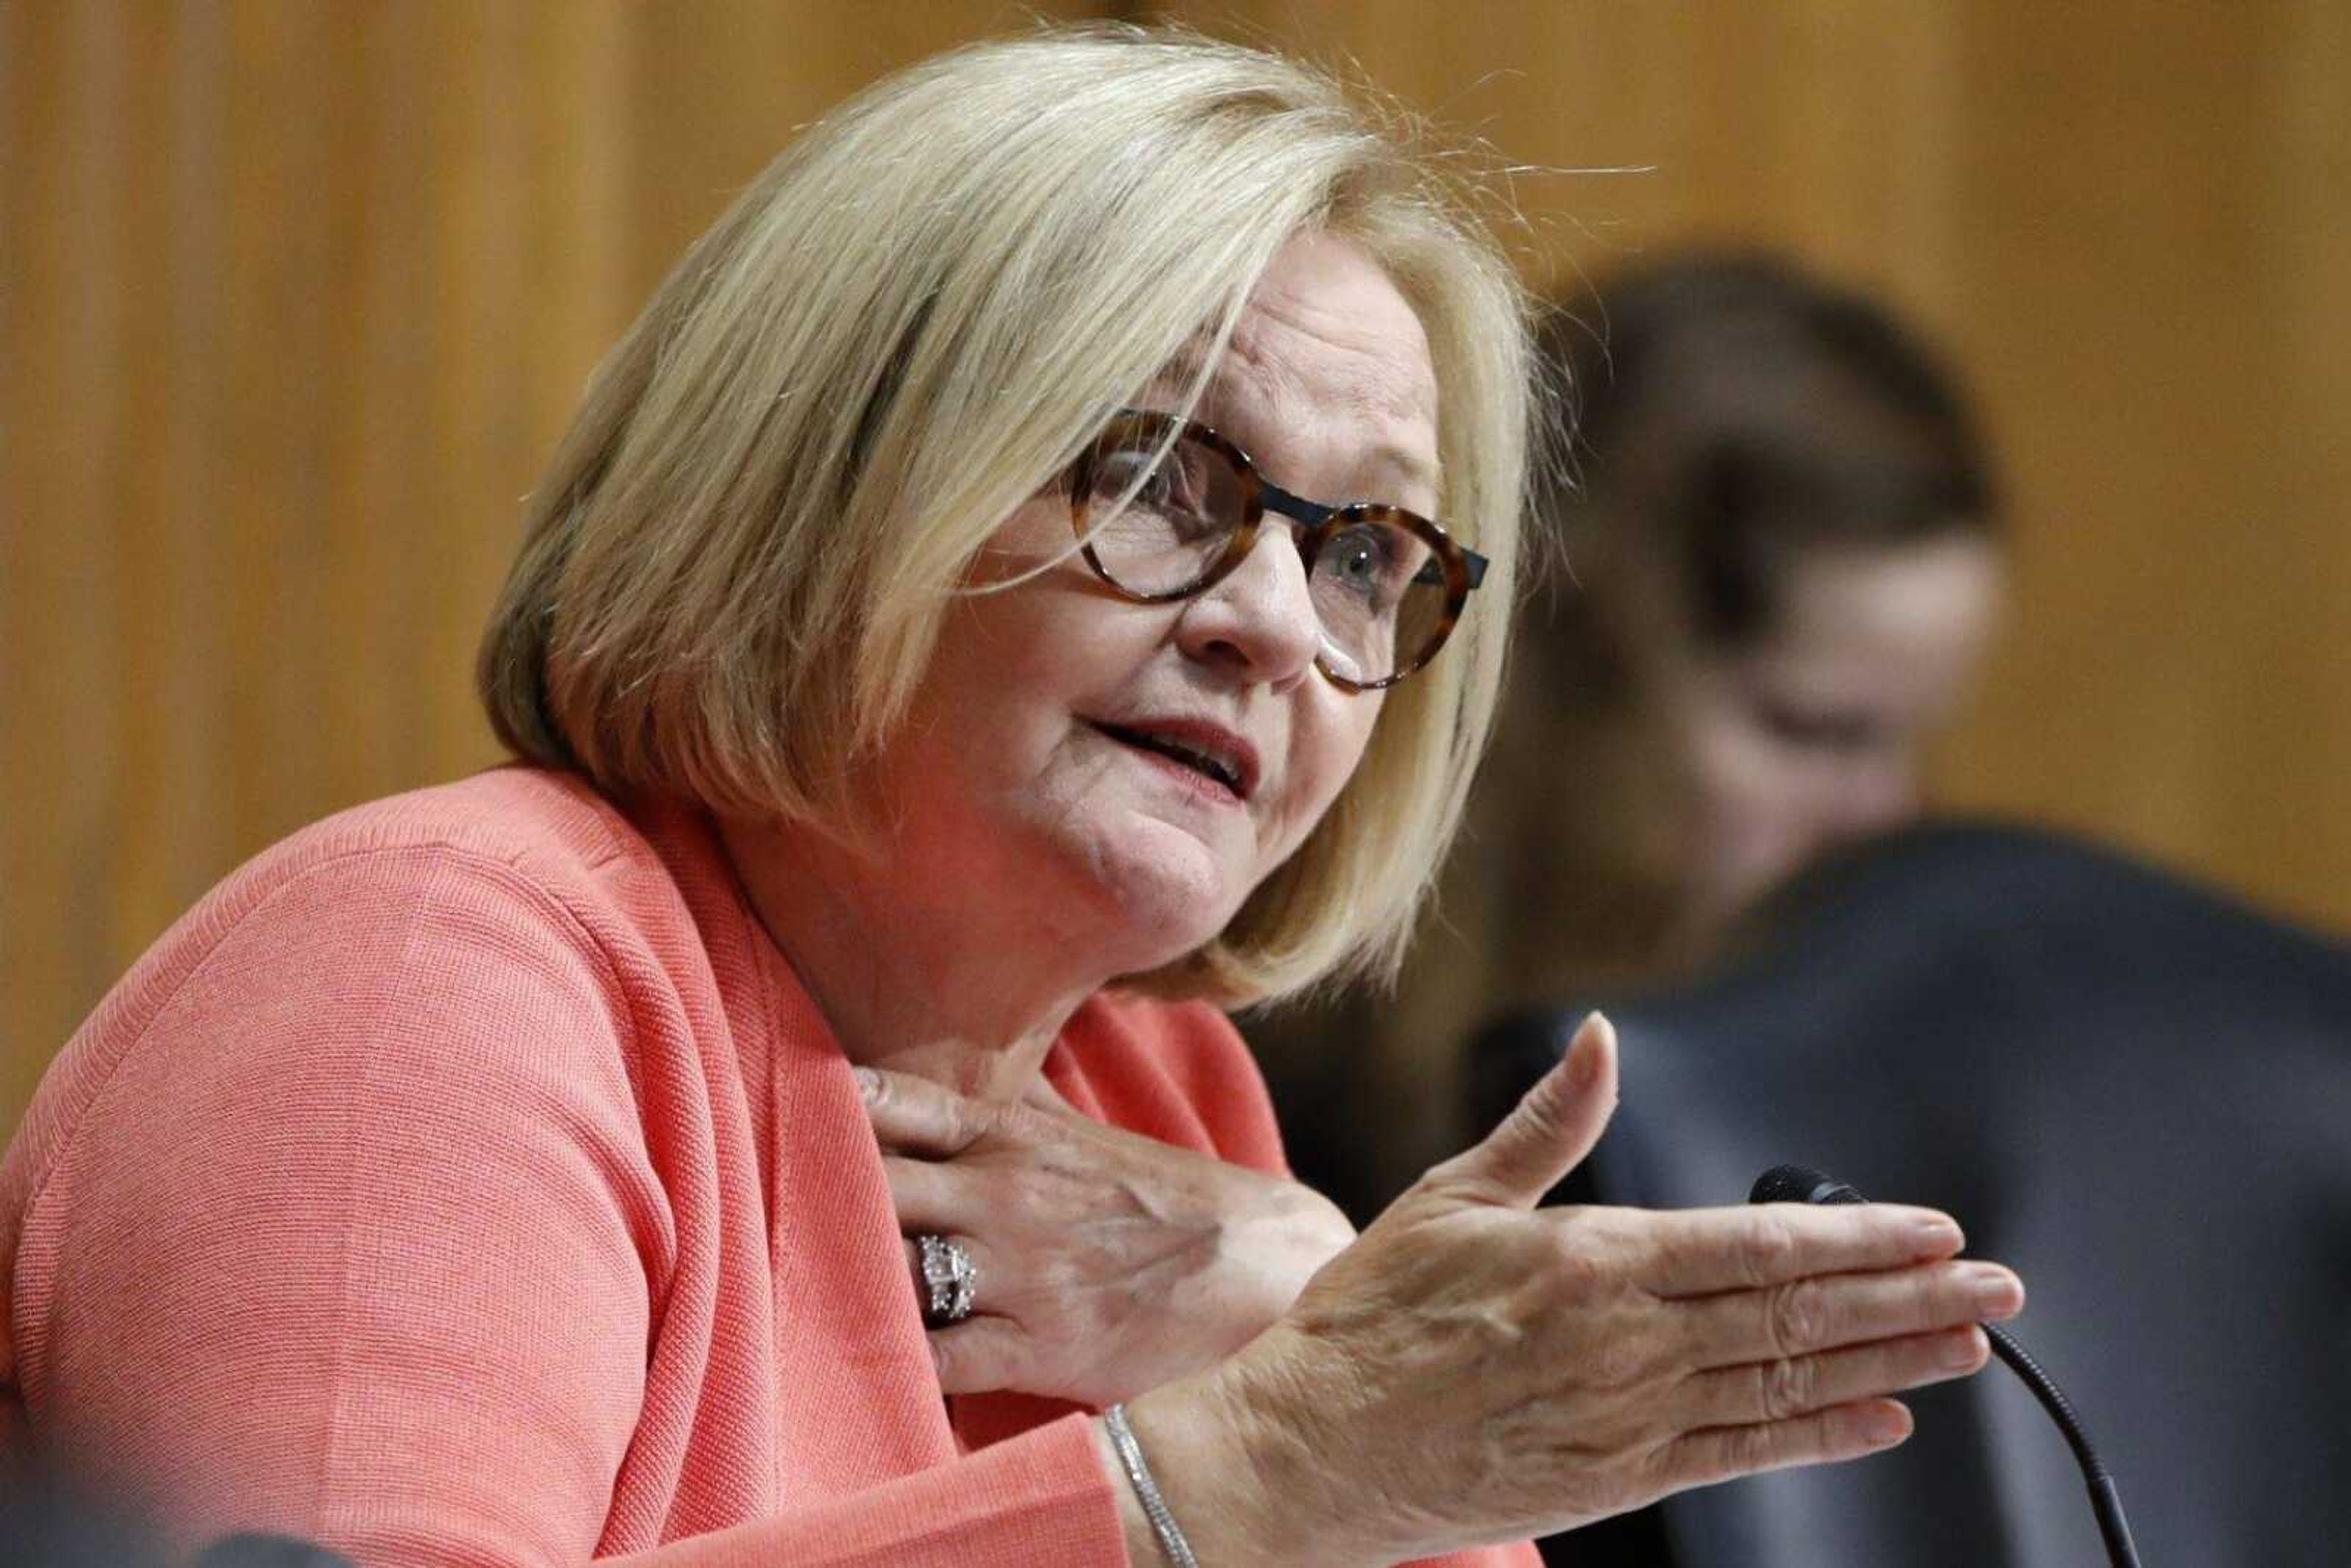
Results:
<point x="1547" y="1134"/>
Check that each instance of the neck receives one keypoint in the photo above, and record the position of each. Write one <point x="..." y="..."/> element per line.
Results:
<point x="910" y="977"/>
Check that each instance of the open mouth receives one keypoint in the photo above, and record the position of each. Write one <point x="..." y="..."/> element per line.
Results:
<point x="1208" y="761"/>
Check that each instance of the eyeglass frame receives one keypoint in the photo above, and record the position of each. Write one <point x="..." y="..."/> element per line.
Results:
<point x="1464" y="569"/>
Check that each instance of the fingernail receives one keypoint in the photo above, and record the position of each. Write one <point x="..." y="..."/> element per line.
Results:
<point x="1996" y="1291"/>
<point x="1885" y="1423"/>
<point x="869" y="1087"/>
<point x="1963" y="1350"/>
<point x="1586" y="1065"/>
<point x="1939" y="1233"/>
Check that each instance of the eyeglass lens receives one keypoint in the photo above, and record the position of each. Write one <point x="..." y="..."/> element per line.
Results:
<point x="1379" y="593"/>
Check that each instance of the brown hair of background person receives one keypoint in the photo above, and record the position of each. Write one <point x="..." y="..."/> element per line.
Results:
<point x="1781" y="566"/>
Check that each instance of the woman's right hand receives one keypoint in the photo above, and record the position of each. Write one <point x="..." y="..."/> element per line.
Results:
<point x="1474" y="1369"/>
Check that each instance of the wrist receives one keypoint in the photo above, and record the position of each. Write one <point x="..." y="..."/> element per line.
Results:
<point x="1142" y="1494"/>
<point x="1239" y="1477"/>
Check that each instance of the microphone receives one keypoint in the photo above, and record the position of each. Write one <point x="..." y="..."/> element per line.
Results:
<point x="1795" y="1184"/>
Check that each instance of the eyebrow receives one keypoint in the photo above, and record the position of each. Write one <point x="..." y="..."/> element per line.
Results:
<point x="1183" y="370"/>
<point x="1408" y="467"/>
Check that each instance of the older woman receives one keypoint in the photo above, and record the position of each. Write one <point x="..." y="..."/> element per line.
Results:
<point x="936" y="692"/>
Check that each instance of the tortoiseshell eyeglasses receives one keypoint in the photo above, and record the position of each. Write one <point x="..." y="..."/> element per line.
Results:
<point x="1166" y="507"/>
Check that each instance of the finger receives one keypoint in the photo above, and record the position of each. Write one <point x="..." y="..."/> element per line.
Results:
<point x="916" y="1116"/>
<point x="1549" y="1131"/>
<point x="928" y="1196"/>
<point x="1701" y="1251"/>
<point x="1841" y="1432"/>
<point x="1804" y="1316"/>
<point x="1767" y="1390"/>
<point x="980" y="1354"/>
<point x="980" y="1260"/>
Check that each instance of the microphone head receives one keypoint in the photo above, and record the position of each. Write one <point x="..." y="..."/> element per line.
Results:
<point x="1785" y="1183"/>
<point x="1799" y="1184"/>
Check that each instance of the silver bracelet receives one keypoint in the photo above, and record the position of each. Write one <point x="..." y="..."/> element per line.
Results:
<point x="1146" y="1490"/>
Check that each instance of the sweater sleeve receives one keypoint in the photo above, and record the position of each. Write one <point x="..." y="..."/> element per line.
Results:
<point x="361" y="1239"/>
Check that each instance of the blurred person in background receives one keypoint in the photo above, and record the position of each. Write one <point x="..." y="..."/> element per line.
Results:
<point x="1782" y="567"/>
<point x="789" y="1117"/>
<point x="1786" y="567"/>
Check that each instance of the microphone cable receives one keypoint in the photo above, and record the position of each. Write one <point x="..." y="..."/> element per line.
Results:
<point x="1795" y="1184"/>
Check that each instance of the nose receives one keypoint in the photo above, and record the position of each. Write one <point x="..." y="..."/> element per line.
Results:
<point x="1258" y="622"/>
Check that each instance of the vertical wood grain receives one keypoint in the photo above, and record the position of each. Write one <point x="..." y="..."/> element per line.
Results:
<point x="65" y="307"/>
<point x="294" y="301"/>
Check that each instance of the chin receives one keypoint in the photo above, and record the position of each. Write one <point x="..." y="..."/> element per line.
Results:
<point x="1161" y="894"/>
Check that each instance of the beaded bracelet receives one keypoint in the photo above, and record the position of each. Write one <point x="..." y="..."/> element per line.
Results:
<point x="1146" y="1490"/>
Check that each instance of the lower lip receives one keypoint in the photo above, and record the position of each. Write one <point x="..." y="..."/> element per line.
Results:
<point x="1191" y="780"/>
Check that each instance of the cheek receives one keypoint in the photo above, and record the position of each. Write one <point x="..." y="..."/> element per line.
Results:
<point x="1749" y="789"/>
<point x="1332" y="749"/>
<point x="1012" y="666"/>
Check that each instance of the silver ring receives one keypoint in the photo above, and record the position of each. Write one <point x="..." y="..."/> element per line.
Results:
<point x="952" y="1279"/>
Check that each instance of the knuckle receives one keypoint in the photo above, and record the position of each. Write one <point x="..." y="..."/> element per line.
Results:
<point x="1717" y="1455"/>
<point x="1576" y="1270"/>
<point x="1768" y="1249"/>
<point x="1737" y="1449"/>
<point x="1616" y="1233"/>
<point x="1787" y="1388"/>
<point x="1794" y="1318"/>
<point x="1682" y="1254"/>
<point x="969" y="1121"/>
<point x="1540" y="1114"/>
<point x="1751" y="1448"/>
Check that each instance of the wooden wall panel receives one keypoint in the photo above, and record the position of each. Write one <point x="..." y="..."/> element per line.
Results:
<point x="294" y="299"/>
<point x="2129" y="224"/>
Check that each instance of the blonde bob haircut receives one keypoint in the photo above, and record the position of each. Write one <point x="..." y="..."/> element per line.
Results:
<point x="735" y="568"/>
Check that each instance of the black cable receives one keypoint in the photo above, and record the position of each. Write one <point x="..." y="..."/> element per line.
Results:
<point x="2105" y="1500"/>
<point x="1796" y="1184"/>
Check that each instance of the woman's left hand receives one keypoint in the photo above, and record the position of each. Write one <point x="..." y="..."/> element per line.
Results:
<point x="1108" y="1262"/>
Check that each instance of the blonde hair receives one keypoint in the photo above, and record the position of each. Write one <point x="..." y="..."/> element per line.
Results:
<point x="734" y="569"/>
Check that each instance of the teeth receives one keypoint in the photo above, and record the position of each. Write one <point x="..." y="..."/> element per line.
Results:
<point x="1215" y="767"/>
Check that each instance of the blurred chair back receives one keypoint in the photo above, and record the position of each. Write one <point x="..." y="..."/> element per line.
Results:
<point x="2138" y="1093"/>
<point x="46" y="1523"/>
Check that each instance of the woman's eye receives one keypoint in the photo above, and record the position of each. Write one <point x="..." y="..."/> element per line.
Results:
<point x="1842" y="734"/>
<point x="1363" y="561"/>
<point x="1125" y="473"/>
<point x="1163" y="484"/>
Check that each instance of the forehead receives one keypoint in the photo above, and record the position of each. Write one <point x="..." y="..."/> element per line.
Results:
<point x="1327" y="347"/>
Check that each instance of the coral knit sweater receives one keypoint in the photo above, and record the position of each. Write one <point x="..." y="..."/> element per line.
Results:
<point x="468" y="1180"/>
